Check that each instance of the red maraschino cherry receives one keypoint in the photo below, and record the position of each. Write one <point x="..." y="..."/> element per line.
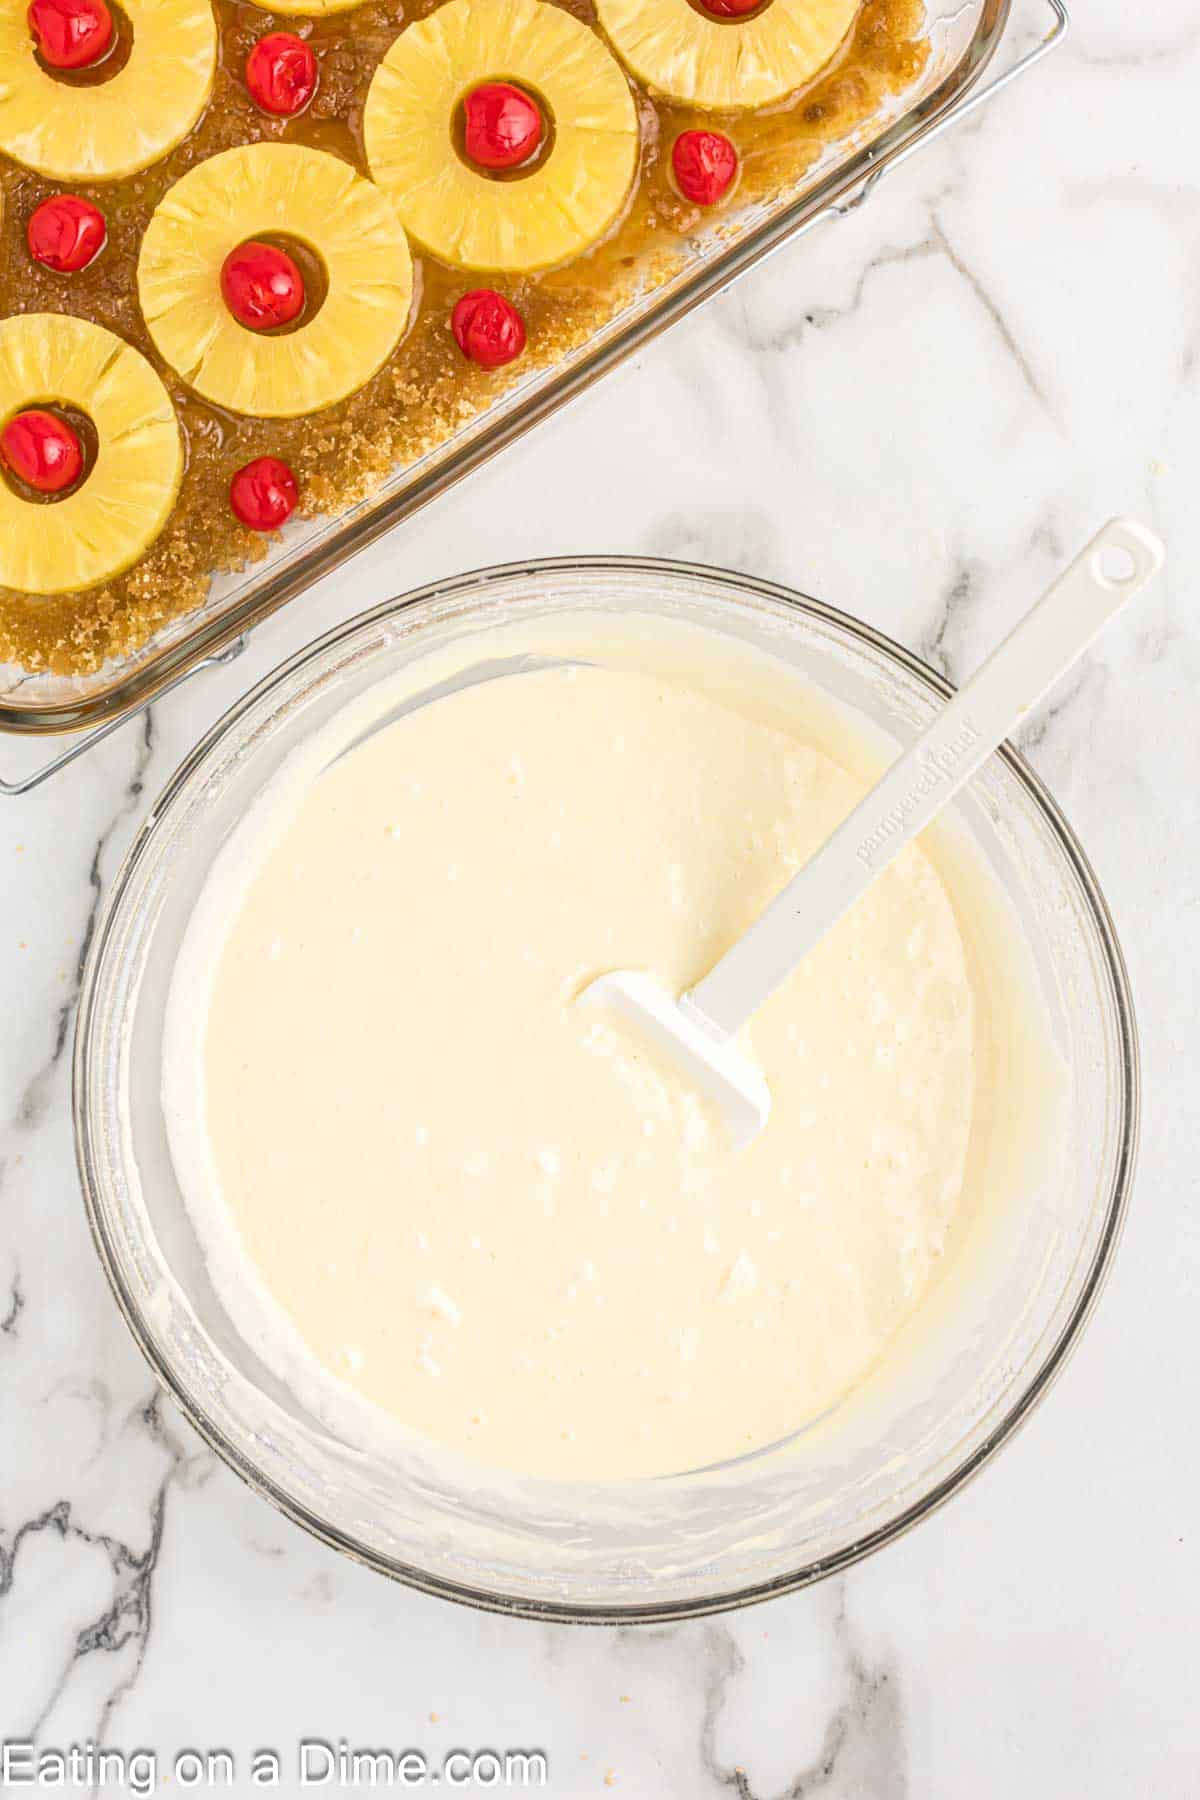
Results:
<point x="42" y="451"/>
<point x="65" y="233"/>
<point x="281" y="73"/>
<point x="488" y="328"/>
<point x="730" y="9"/>
<point x="71" y="34"/>
<point x="262" y="286"/>
<point x="503" y="125"/>
<point x="705" y="163"/>
<point x="263" y="495"/>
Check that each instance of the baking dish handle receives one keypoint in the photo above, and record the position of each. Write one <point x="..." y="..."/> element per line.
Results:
<point x="981" y="95"/>
<point x="26" y="783"/>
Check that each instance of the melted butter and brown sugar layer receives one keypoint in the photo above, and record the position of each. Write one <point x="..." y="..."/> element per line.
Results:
<point x="426" y="390"/>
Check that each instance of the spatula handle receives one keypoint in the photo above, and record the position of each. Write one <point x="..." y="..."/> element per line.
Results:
<point x="1116" y="565"/>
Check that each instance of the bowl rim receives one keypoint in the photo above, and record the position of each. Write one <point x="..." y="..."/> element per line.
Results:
<point x="471" y="584"/>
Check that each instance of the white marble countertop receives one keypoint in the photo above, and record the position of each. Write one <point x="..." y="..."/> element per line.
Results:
<point x="915" y="415"/>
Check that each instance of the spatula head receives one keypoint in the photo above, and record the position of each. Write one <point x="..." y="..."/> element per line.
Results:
<point x="712" y="1064"/>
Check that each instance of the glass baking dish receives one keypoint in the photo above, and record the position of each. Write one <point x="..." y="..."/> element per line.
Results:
<point x="963" y="36"/>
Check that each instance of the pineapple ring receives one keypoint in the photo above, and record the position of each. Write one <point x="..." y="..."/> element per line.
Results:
<point x="257" y="190"/>
<point x="100" y="133"/>
<point x="726" y="65"/>
<point x="462" y="215"/>
<point x="106" y="524"/>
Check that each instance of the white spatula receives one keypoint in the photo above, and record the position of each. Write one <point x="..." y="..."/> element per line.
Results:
<point x="699" y="1027"/>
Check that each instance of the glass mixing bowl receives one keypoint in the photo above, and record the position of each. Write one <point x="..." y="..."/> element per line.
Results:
<point x="673" y="1546"/>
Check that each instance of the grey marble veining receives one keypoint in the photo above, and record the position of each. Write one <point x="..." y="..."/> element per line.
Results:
<point x="915" y="415"/>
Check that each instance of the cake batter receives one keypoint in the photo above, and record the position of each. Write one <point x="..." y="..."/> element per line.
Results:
<point x="501" y="1217"/>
